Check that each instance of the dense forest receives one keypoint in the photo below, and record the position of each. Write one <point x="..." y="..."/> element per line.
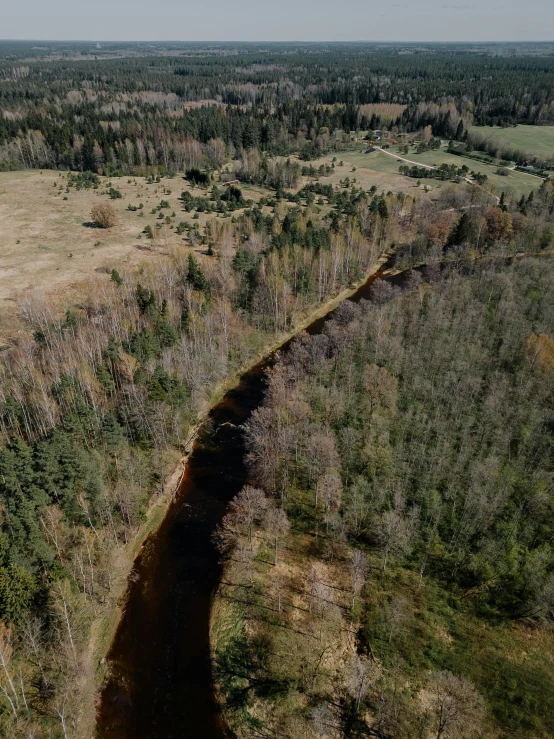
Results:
<point x="389" y="570"/>
<point x="187" y="105"/>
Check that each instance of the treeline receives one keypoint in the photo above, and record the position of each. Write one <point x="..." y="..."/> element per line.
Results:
<point x="95" y="404"/>
<point x="477" y="140"/>
<point x="129" y="114"/>
<point x="442" y="172"/>
<point x="145" y="139"/>
<point x="468" y="223"/>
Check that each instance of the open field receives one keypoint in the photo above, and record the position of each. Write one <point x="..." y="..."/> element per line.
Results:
<point x="48" y="244"/>
<point x="515" y="183"/>
<point x="376" y="169"/>
<point x="379" y="162"/>
<point x="50" y="248"/>
<point x="538" y="140"/>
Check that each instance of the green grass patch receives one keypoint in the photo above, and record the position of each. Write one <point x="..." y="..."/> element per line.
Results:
<point x="515" y="183"/>
<point x="537" y="140"/>
<point x="381" y="162"/>
<point x="508" y="663"/>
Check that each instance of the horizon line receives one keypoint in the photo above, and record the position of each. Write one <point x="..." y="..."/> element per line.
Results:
<point x="264" y="41"/>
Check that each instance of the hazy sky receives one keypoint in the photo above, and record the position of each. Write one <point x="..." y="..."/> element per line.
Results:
<point x="278" y="20"/>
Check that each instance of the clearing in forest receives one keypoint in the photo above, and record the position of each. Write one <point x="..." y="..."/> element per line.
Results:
<point x="49" y="246"/>
<point x="536" y="140"/>
<point x="514" y="183"/>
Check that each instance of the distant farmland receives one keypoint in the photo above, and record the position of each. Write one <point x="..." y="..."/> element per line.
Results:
<point x="385" y="111"/>
<point x="535" y="140"/>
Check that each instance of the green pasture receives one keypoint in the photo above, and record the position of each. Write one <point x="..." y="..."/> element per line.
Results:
<point x="538" y="140"/>
<point x="515" y="183"/>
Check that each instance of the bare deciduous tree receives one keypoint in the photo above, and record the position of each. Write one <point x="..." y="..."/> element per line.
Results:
<point x="322" y="720"/>
<point x="395" y="615"/>
<point x="454" y="705"/>
<point x="63" y="609"/>
<point x="360" y="674"/>
<point x="244" y="511"/>
<point x="62" y="715"/>
<point x="358" y="568"/>
<point x="7" y="684"/>
<point x="382" y="291"/>
<point x="329" y="489"/>
<point x="321" y="454"/>
<point x="394" y="535"/>
<point x="32" y="633"/>
<point x="264" y="447"/>
<point x="321" y="602"/>
<point x="279" y="590"/>
<point x="380" y="386"/>
<point x="277" y="526"/>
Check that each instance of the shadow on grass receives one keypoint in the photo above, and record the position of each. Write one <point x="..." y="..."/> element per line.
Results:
<point x="240" y="669"/>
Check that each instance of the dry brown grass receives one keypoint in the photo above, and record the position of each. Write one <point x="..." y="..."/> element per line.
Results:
<point x="39" y="231"/>
<point x="49" y="247"/>
<point x="387" y="111"/>
<point x="307" y="640"/>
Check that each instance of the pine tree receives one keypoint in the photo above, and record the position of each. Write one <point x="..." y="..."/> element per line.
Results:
<point x="461" y="231"/>
<point x="196" y="277"/>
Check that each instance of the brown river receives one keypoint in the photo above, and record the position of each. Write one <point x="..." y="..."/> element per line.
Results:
<point x="160" y="681"/>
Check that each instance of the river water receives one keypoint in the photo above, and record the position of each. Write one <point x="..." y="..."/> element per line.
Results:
<point x="160" y="682"/>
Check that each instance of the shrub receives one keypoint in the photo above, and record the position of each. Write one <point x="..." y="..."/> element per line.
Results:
<point x="196" y="177"/>
<point x="116" y="277"/>
<point x="103" y="215"/>
<point x="83" y="180"/>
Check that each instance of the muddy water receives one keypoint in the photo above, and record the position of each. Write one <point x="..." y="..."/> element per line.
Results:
<point x="160" y="684"/>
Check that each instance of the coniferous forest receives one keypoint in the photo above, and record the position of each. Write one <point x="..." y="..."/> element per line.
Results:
<point x="114" y="109"/>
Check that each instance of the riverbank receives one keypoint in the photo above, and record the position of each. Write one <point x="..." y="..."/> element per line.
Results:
<point x="280" y="628"/>
<point x="105" y="627"/>
<point x="230" y="626"/>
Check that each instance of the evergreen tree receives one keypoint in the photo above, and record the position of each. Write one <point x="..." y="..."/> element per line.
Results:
<point x="461" y="231"/>
<point x="196" y="277"/>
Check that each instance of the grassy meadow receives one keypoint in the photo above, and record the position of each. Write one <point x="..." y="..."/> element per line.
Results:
<point x="515" y="183"/>
<point x="50" y="247"/>
<point x="537" y="140"/>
